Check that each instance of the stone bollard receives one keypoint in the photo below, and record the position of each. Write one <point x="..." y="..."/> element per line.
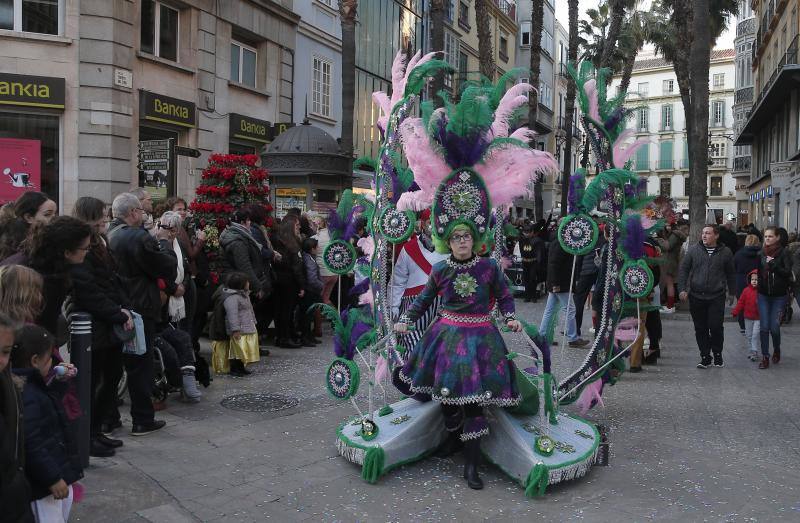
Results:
<point x="80" y="353"/>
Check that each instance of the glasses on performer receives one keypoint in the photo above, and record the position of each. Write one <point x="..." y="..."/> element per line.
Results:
<point x="458" y="238"/>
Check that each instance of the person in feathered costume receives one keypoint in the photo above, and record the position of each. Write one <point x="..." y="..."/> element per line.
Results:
<point x="465" y="165"/>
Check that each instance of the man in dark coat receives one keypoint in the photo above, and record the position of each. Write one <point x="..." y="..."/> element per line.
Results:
<point x="728" y="238"/>
<point x="560" y="279"/>
<point x="706" y="273"/>
<point x="143" y="262"/>
<point x="531" y="250"/>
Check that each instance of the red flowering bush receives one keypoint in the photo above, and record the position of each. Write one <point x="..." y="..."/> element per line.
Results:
<point x="230" y="182"/>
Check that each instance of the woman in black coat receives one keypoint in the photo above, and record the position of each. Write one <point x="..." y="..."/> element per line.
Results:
<point x="98" y="290"/>
<point x="15" y="492"/>
<point x="774" y="281"/>
<point x="289" y="280"/>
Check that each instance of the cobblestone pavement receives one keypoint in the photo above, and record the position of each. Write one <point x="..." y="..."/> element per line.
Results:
<point x="686" y="445"/>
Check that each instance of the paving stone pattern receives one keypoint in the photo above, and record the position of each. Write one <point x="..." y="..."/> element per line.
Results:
<point x="686" y="445"/>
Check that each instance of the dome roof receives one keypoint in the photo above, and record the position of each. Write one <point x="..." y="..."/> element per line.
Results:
<point x="304" y="139"/>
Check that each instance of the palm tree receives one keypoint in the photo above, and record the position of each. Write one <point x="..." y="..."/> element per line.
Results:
<point x="673" y="30"/>
<point x="437" y="44"/>
<point x="699" y="64"/>
<point x="631" y="40"/>
<point x="572" y="56"/>
<point x="348" y="12"/>
<point x="616" y="18"/>
<point x="537" y="20"/>
<point x="485" y="53"/>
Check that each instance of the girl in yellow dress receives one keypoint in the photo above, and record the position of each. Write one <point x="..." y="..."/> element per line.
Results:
<point x="241" y="347"/>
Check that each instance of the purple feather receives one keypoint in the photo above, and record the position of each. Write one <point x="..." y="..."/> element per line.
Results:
<point x="361" y="288"/>
<point x="634" y="237"/>
<point x="350" y="230"/>
<point x="629" y="192"/>
<point x="388" y="168"/>
<point x="359" y="329"/>
<point x="460" y="151"/>
<point x="576" y="187"/>
<point x="641" y="186"/>
<point x="336" y="225"/>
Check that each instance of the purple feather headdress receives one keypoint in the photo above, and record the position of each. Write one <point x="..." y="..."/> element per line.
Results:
<point x="634" y="236"/>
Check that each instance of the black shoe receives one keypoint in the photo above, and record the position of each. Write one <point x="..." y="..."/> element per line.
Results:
<point x="108" y="442"/>
<point x="308" y="342"/>
<point x="238" y="369"/>
<point x="705" y="362"/>
<point x="318" y="341"/>
<point x="288" y="344"/>
<point x="263" y="351"/>
<point x="652" y="357"/>
<point x="718" y="360"/>
<point x="108" y="428"/>
<point x="98" y="450"/>
<point x="146" y="428"/>
<point x="472" y="455"/>
<point x="527" y="300"/>
<point x="635" y="369"/>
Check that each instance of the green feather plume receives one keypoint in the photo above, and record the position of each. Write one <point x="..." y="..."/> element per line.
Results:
<point x="418" y="76"/>
<point x="473" y="112"/>
<point x="371" y="164"/>
<point x="498" y="90"/>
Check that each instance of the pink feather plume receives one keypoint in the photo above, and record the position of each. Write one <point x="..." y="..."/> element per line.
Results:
<point x="589" y="395"/>
<point x="415" y="201"/>
<point x="524" y="134"/>
<point x="508" y="170"/>
<point x="594" y="105"/>
<point x="622" y="152"/>
<point x="429" y="168"/>
<point x="514" y="98"/>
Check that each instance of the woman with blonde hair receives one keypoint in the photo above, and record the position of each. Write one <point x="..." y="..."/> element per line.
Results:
<point x="20" y="293"/>
<point x="745" y="260"/>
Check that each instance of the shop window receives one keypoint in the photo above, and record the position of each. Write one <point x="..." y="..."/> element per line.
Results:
<point x="243" y="64"/>
<point x="321" y="87"/>
<point x="238" y="148"/>
<point x="31" y="156"/>
<point x="32" y="16"/>
<point x="159" y="30"/>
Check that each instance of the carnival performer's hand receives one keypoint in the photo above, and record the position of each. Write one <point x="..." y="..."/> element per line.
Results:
<point x="683" y="295"/>
<point x="236" y="335"/>
<point x="65" y="371"/>
<point x="60" y="490"/>
<point x="557" y="288"/>
<point x="401" y="327"/>
<point x="180" y="290"/>
<point x="200" y="235"/>
<point x="514" y="325"/>
<point x="128" y="324"/>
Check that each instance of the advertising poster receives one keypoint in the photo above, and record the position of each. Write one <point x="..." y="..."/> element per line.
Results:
<point x="286" y="198"/>
<point x="20" y="165"/>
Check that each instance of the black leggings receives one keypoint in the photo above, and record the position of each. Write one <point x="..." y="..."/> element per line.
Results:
<point x="454" y="415"/>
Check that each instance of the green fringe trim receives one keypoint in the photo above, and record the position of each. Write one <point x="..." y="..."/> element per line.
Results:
<point x="549" y="406"/>
<point x="537" y="480"/>
<point x="372" y="468"/>
<point x="385" y="410"/>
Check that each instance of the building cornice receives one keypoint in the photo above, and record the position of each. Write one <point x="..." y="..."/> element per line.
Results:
<point x="318" y="35"/>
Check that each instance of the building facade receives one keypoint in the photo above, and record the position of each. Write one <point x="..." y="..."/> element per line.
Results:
<point x="742" y="104"/>
<point x="86" y="85"/>
<point x="773" y="125"/>
<point x="659" y="117"/>
<point x="546" y="121"/>
<point x="318" y="65"/>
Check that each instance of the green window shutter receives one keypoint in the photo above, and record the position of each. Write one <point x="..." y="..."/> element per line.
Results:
<point x="665" y="157"/>
<point x="643" y="158"/>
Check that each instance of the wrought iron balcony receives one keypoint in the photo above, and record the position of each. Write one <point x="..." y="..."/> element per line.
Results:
<point x="506" y="7"/>
<point x="746" y="27"/>
<point x="742" y="163"/>
<point x="743" y="95"/>
<point x="790" y="57"/>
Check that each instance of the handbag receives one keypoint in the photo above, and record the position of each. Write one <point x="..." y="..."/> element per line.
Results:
<point x="138" y="345"/>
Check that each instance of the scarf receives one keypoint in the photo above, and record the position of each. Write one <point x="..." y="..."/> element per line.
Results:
<point x="176" y="307"/>
<point x="246" y="232"/>
<point x="772" y="250"/>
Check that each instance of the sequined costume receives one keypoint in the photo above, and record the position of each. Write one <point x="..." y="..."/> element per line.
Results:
<point x="461" y="359"/>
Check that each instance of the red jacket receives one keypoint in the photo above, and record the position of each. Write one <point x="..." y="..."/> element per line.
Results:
<point x="748" y="303"/>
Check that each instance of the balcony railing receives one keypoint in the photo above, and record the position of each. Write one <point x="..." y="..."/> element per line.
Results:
<point x="742" y="163"/>
<point x="789" y="58"/>
<point x="743" y="95"/>
<point x="718" y="162"/>
<point x="684" y="163"/>
<point x="507" y="8"/>
<point x="665" y="164"/>
<point x="746" y="27"/>
<point x="563" y="123"/>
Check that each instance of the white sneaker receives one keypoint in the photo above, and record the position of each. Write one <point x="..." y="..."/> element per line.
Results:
<point x="667" y="310"/>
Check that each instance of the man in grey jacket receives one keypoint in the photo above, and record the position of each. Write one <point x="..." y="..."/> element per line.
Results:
<point x="705" y="273"/>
